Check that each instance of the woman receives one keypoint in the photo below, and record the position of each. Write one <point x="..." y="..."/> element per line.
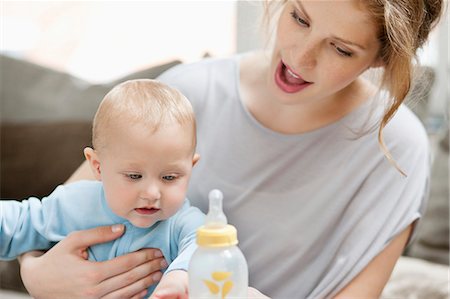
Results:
<point x="324" y="204"/>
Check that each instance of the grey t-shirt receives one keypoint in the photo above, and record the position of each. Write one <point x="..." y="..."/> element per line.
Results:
<point x="312" y="209"/>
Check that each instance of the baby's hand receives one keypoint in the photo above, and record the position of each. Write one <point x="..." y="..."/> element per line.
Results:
<point x="173" y="285"/>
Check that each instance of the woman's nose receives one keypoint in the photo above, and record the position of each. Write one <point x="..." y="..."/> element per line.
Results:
<point x="305" y="56"/>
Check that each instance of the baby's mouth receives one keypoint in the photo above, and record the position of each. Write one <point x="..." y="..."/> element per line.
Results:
<point x="146" y="211"/>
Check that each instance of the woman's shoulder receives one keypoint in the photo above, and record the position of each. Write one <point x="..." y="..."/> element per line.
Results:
<point x="404" y="136"/>
<point x="407" y="141"/>
<point x="403" y="131"/>
<point x="200" y="69"/>
<point x="407" y="128"/>
<point x="205" y="79"/>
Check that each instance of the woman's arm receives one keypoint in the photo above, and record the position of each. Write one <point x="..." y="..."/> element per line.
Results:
<point x="65" y="272"/>
<point x="82" y="173"/>
<point x="371" y="281"/>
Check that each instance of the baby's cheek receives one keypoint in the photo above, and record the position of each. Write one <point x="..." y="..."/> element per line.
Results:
<point x="175" y="203"/>
<point x="121" y="208"/>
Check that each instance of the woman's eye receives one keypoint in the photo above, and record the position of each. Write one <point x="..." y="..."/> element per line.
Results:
<point x="342" y="52"/>
<point x="298" y="19"/>
<point x="134" y="176"/>
<point x="169" y="177"/>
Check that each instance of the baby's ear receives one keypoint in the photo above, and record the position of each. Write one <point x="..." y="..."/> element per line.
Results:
<point x="94" y="162"/>
<point x="195" y="159"/>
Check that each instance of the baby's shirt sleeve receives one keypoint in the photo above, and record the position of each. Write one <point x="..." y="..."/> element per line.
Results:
<point x="25" y="225"/>
<point x="183" y="235"/>
<point x="35" y="224"/>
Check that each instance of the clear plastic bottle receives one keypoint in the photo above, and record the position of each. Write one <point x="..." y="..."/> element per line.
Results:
<point x="218" y="268"/>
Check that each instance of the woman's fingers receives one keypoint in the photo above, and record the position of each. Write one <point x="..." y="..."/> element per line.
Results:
<point x="127" y="276"/>
<point x="132" y="266"/>
<point x="138" y="266"/>
<point x="86" y="238"/>
<point x="124" y="276"/>
<point x="138" y="289"/>
<point x="140" y="295"/>
<point x="134" y="272"/>
<point x="42" y="275"/>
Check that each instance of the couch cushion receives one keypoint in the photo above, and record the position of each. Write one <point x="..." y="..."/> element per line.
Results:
<point x="31" y="92"/>
<point x="416" y="279"/>
<point x="36" y="157"/>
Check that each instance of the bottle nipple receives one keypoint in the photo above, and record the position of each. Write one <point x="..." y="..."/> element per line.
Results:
<point x="215" y="217"/>
<point x="216" y="232"/>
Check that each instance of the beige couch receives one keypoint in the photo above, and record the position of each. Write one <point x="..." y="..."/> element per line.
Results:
<point x="46" y="122"/>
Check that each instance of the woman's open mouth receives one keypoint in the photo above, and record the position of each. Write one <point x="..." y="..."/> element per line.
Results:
<point x="288" y="81"/>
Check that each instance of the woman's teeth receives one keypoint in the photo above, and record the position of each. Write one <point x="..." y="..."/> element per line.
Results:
<point x="292" y="74"/>
<point x="292" y="78"/>
<point x="288" y="81"/>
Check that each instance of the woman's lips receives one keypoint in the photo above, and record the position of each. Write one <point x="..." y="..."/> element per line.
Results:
<point x="288" y="81"/>
<point x="146" y="211"/>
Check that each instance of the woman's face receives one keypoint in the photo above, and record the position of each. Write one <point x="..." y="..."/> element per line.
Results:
<point x="321" y="47"/>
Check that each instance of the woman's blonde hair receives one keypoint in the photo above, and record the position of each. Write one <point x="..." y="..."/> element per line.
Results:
<point x="143" y="101"/>
<point x="403" y="27"/>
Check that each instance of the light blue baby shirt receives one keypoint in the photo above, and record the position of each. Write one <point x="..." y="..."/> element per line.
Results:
<point x="34" y="224"/>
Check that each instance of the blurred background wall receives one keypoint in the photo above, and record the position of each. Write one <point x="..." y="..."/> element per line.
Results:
<point x="102" y="40"/>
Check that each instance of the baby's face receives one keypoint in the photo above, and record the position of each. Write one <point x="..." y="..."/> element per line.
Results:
<point x="145" y="174"/>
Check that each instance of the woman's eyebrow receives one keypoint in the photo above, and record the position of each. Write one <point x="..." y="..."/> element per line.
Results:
<point x="348" y="42"/>
<point x="299" y="5"/>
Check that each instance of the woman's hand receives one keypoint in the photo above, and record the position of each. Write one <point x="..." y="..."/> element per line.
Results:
<point x="65" y="272"/>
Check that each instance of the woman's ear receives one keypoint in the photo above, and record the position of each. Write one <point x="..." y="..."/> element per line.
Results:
<point x="94" y="162"/>
<point x="378" y="63"/>
<point x="195" y="159"/>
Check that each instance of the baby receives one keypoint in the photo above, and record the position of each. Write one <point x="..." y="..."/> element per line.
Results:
<point x="144" y="138"/>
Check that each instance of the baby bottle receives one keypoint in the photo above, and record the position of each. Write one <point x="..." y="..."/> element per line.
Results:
<point x="218" y="268"/>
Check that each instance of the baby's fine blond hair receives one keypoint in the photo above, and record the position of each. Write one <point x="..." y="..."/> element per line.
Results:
<point x="142" y="101"/>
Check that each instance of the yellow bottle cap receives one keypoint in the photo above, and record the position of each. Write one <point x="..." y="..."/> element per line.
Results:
<point x="217" y="236"/>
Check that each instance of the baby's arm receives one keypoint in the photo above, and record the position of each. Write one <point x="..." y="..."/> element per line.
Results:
<point x="173" y="285"/>
<point x="34" y="224"/>
<point x="20" y="226"/>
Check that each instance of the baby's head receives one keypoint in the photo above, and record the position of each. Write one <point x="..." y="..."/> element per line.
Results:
<point x="144" y="138"/>
<point x="142" y="102"/>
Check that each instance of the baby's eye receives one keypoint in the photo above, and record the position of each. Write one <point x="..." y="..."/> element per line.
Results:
<point x="169" y="177"/>
<point x="134" y="176"/>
